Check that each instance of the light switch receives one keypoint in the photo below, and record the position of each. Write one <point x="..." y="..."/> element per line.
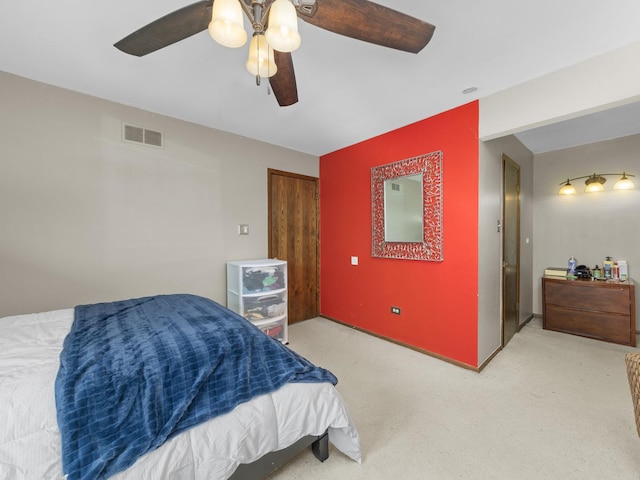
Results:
<point x="354" y="260"/>
<point x="243" y="229"/>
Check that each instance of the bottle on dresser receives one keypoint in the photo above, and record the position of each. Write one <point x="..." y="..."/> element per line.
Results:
<point x="607" y="268"/>
<point x="623" y="270"/>
<point x="596" y="272"/>
<point x="571" y="271"/>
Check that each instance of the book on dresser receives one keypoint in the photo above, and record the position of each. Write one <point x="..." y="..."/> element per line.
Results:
<point x="555" y="272"/>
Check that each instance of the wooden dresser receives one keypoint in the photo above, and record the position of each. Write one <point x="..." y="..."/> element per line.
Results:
<point x="604" y="310"/>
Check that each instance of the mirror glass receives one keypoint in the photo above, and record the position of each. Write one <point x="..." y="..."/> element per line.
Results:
<point x="403" y="209"/>
<point x="406" y="209"/>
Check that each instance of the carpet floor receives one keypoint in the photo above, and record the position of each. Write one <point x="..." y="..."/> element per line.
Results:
<point x="549" y="406"/>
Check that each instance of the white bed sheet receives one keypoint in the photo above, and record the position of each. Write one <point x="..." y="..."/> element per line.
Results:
<point x="30" y="346"/>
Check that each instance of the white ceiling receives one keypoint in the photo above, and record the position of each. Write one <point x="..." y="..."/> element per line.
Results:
<point x="596" y="127"/>
<point x="349" y="90"/>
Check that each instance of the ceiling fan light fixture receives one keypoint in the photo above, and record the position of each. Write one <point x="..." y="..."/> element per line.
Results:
<point x="261" y="61"/>
<point x="361" y="20"/>
<point x="226" y="26"/>
<point x="624" y="183"/>
<point x="282" y="33"/>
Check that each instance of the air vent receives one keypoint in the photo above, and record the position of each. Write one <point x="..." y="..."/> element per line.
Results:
<point x="395" y="187"/>
<point x="131" y="133"/>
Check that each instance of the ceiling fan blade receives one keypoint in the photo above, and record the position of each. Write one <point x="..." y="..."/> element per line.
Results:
<point x="167" y="30"/>
<point x="370" y="22"/>
<point x="283" y="83"/>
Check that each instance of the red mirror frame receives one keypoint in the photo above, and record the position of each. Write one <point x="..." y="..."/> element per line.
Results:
<point x="430" y="249"/>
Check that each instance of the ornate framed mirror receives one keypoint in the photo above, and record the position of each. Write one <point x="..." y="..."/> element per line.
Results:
<point x="406" y="209"/>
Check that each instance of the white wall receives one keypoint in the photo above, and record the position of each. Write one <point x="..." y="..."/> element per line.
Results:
<point x="489" y="239"/>
<point x="588" y="226"/>
<point x="85" y="217"/>
<point x="605" y="81"/>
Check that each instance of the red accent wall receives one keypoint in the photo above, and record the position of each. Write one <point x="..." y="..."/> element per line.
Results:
<point x="438" y="300"/>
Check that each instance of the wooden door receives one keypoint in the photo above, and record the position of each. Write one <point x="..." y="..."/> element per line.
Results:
<point x="294" y="237"/>
<point x="510" y="249"/>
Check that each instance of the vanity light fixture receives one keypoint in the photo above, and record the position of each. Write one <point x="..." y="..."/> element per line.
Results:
<point x="595" y="183"/>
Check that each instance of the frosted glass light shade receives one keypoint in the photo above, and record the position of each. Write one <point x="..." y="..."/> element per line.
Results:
<point x="261" y="58"/>
<point x="226" y="26"/>
<point x="624" y="183"/>
<point x="594" y="186"/>
<point x="567" y="189"/>
<point x="282" y="33"/>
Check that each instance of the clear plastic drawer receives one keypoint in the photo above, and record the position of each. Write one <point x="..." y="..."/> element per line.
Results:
<point x="276" y="329"/>
<point x="265" y="278"/>
<point x="265" y="306"/>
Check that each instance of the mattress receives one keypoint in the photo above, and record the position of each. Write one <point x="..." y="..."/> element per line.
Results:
<point x="30" y="346"/>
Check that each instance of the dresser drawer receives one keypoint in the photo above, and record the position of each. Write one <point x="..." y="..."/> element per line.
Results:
<point x="610" y="327"/>
<point x="582" y="295"/>
<point x="601" y="310"/>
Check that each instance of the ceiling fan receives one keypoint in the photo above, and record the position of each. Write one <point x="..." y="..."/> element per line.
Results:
<point x="359" y="19"/>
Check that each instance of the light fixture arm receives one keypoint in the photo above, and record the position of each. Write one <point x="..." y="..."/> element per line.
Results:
<point x="256" y="11"/>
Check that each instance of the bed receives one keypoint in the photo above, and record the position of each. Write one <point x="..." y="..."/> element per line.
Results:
<point x="43" y="414"/>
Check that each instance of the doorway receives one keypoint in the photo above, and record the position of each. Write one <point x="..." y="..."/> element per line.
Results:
<point x="293" y="236"/>
<point x="510" y="249"/>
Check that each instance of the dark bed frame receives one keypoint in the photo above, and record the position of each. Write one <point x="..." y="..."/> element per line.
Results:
<point x="274" y="460"/>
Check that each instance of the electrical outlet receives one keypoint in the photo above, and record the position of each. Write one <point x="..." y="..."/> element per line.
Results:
<point x="395" y="310"/>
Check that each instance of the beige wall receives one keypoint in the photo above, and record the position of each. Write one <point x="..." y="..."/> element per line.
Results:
<point x="602" y="82"/>
<point x="490" y="240"/>
<point x="86" y="217"/>
<point x="588" y="226"/>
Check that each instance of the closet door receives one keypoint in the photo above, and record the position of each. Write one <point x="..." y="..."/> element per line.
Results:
<point x="294" y="237"/>
<point x="510" y="250"/>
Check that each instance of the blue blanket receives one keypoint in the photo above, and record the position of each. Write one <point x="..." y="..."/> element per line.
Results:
<point x="135" y="373"/>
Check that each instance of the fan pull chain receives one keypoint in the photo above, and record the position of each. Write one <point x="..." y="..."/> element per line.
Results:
<point x="258" y="78"/>
<point x="268" y="72"/>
